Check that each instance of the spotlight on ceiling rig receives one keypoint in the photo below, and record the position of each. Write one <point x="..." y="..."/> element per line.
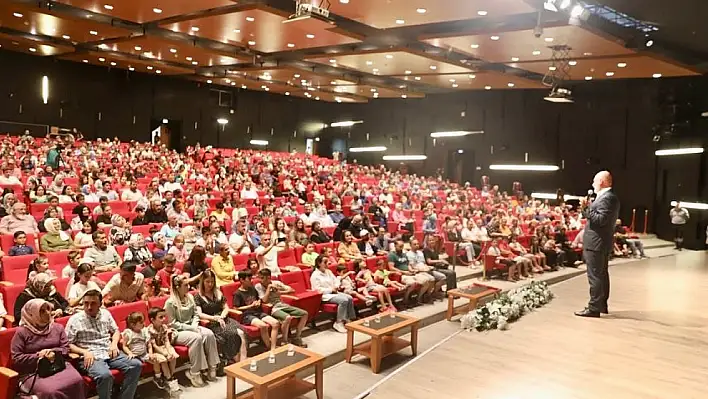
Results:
<point x="560" y="95"/>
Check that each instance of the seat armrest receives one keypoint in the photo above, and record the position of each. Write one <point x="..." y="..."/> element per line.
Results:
<point x="6" y="284"/>
<point x="289" y="297"/>
<point x="9" y="320"/>
<point x="8" y="383"/>
<point x="235" y="314"/>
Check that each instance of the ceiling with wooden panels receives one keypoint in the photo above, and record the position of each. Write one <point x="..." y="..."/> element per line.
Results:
<point x="263" y="30"/>
<point x="142" y="11"/>
<point x="366" y="50"/>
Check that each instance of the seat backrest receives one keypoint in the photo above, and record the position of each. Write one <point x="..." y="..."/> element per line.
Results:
<point x="296" y="280"/>
<point x="158" y="302"/>
<point x="57" y="259"/>
<point x="5" y="341"/>
<point x="240" y="261"/>
<point x="228" y="291"/>
<point x="121" y="312"/>
<point x="287" y="258"/>
<point x="10" y="294"/>
<point x="7" y="241"/>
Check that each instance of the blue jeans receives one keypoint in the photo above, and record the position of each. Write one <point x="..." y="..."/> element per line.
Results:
<point x="100" y="371"/>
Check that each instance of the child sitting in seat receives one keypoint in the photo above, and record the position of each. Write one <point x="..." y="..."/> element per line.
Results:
<point x="168" y="270"/>
<point x="40" y="265"/>
<point x="382" y="276"/>
<point x="20" y="248"/>
<point x="347" y="285"/>
<point x="70" y="270"/>
<point x="365" y="277"/>
<point x="309" y="256"/>
<point x="137" y="343"/>
<point x="82" y="283"/>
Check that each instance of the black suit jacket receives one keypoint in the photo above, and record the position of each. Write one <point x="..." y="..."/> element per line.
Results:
<point x="601" y="216"/>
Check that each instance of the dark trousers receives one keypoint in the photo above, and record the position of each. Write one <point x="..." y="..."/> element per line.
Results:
<point x="678" y="235"/>
<point x="598" y="278"/>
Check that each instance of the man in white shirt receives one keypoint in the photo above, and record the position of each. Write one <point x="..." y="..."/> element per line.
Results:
<point x="8" y="178"/>
<point x="416" y="262"/>
<point x="239" y="239"/>
<point x="267" y="256"/>
<point x="132" y="193"/>
<point x="308" y="217"/>
<point x="248" y="192"/>
<point x="170" y="185"/>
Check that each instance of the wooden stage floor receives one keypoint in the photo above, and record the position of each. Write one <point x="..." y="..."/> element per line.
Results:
<point x="654" y="344"/>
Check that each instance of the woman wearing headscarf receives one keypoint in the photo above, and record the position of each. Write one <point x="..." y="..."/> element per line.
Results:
<point x="88" y="191"/>
<point x="138" y="250"/>
<point x="57" y="185"/>
<point x="120" y="230"/>
<point x="41" y="286"/>
<point x="56" y="239"/>
<point x="8" y="201"/>
<point x="83" y="215"/>
<point x="51" y="213"/>
<point x="39" y="337"/>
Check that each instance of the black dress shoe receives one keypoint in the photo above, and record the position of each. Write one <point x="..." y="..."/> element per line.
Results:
<point x="587" y="313"/>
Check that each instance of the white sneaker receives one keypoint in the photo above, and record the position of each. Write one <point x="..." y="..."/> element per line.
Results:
<point x="195" y="379"/>
<point x="173" y="385"/>
<point x="339" y="327"/>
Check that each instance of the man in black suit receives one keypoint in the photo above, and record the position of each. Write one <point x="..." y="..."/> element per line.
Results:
<point x="597" y="242"/>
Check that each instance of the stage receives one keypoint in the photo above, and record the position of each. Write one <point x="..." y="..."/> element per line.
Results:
<point x="652" y="345"/>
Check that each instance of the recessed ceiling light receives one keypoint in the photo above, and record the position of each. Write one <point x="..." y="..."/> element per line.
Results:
<point x="173" y="50"/>
<point x="588" y="78"/>
<point x="333" y="61"/>
<point x="610" y="74"/>
<point x="157" y="10"/>
<point x="131" y="68"/>
<point x="433" y="67"/>
<point x="209" y="81"/>
<point x="400" y="21"/>
<point x="417" y="78"/>
<point x="494" y="37"/>
<point x="244" y="86"/>
<point x="317" y="98"/>
<point x="297" y="75"/>
<point x="93" y="32"/>
<point x="510" y="84"/>
<point x="66" y="37"/>
<point x="195" y="62"/>
<point x="587" y="54"/>
<point x="514" y="59"/>
<point x="85" y="61"/>
<point x="471" y="76"/>
<point x="373" y="90"/>
<point x="408" y="72"/>
<point x="227" y="80"/>
<point x="621" y="64"/>
<point x="287" y="93"/>
<point x="421" y="10"/>
<point x="339" y="101"/>
<point x="32" y="49"/>
<point x="548" y="39"/>
<point x="103" y="46"/>
<point x="487" y="87"/>
<point x="474" y="45"/>
<point x="17" y="15"/>
<point x="310" y="36"/>
<point x="536" y="52"/>
<point x="404" y="96"/>
<point x="333" y="82"/>
<point x="138" y="48"/>
<point x="250" y="19"/>
<point x="573" y="63"/>
<point x="452" y="80"/>
<point x="656" y="75"/>
<point x="188" y="58"/>
<point x="455" y="85"/>
<point x="113" y="64"/>
<point x="344" y="1"/>
<point x="103" y="59"/>
<point x="481" y="13"/>
<point x="389" y="56"/>
<point x="376" y="95"/>
<point x="149" y="66"/>
<point x="369" y="63"/>
<point x="237" y="30"/>
<point x="291" y="45"/>
<point x="552" y="68"/>
<point x="251" y="43"/>
<point x="108" y="6"/>
<point x="158" y="71"/>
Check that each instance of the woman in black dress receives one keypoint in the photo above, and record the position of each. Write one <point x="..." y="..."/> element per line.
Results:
<point x="213" y="309"/>
<point x="195" y="265"/>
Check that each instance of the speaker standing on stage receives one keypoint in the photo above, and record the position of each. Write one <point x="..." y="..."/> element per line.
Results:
<point x="597" y="242"/>
<point x="679" y="218"/>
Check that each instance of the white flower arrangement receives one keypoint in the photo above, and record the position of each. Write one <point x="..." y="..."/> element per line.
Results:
<point x="508" y="307"/>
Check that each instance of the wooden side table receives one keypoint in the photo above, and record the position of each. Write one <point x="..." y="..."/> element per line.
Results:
<point x="277" y="380"/>
<point x="383" y="342"/>
<point x="474" y="293"/>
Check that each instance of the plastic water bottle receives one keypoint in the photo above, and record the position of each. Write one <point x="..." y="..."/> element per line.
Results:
<point x="254" y="366"/>
<point x="291" y="350"/>
<point x="366" y="323"/>
<point x="271" y="358"/>
<point x="377" y="319"/>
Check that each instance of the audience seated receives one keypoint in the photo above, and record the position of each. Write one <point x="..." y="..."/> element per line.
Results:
<point x="323" y="281"/>
<point x="41" y="286"/>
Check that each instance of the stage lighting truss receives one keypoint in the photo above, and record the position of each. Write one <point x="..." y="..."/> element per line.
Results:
<point x="559" y="70"/>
